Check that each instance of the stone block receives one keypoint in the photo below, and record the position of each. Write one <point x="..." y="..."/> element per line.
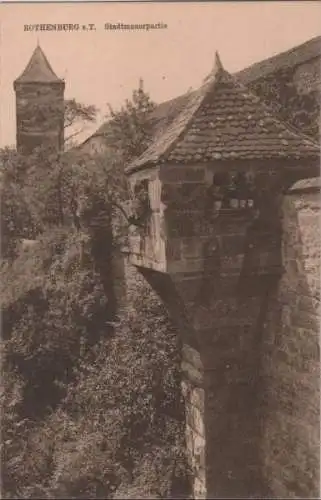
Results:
<point x="199" y="489"/>
<point x="192" y="356"/>
<point x="135" y="244"/>
<point x="185" y="266"/>
<point x="189" y="437"/>
<point x="191" y="373"/>
<point x="228" y="375"/>
<point x="199" y="454"/>
<point x="195" y="419"/>
<point x="228" y="311"/>
<point x="178" y="225"/>
<point x="231" y="262"/>
<point x="185" y="223"/>
<point x="226" y="284"/>
<point x="195" y="452"/>
<point x="232" y="244"/>
<point x="200" y="473"/>
<point x="308" y="321"/>
<point x="145" y="262"/>
<point x="186" y="387"/>
<point x="178" y="174"/>
<point x="188" y="286"/>
<point x="154" y="190"/>
<point x="173" y="249"/>
<point x="193" y="395"/>
<point x="192" y="248"/>
<point x="308" y="304"/>
<point x="253" y="285"/>
<point x="232" y="224"/>
<point x="288" y="294"/>
<point x="269" y="259"/>
<point x="197" y="398"/>
<point x="224" y="341"/>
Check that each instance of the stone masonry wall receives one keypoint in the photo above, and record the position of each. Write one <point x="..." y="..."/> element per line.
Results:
<point x="194" y="396"/>
<point x="229" y="325"/>
<point x="291" y="444"/>
<point x="40" y="115"/>
<point x="247" y="318"/>
<point x="147" y="245"/>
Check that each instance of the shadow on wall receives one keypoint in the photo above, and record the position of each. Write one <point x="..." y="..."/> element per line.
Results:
<point x="290" y="403"/>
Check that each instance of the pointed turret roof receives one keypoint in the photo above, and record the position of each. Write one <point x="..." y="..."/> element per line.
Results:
<point x="38" y="69"/>
<point x="217" y="68"/>
<point x="223" y="120"/>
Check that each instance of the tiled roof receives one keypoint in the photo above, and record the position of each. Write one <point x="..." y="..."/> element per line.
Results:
<point x="167" y="111"/>
<point x="38" y="69"/>
<point x="221" y="121"/>
<point x="289" y="59"/>
<point x="158" y="119"/>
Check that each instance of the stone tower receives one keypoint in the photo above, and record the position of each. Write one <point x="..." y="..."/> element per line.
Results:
<point x="39" y="105"/>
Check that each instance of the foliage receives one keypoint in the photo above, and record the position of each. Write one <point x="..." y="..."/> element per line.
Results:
<point x="91" y="406"/>
<point x="129" y="394"/>
<point x="76" y="116"/>
<point x="16" y="220"/>
<point x="302" y="110"/>
<point x="49" y="188"/>
<point x="129" y="127"/>
<point x="119" y="424"/>
<point x="53" y="305"/>
<point x="13" y="430"/>
<point x="35" y="189"/>
<point x="141" y="208"/>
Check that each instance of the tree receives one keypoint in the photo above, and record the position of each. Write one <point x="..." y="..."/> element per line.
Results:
<point x="119" y="428"/>
<point x="129" y="126"/>
<point x="102" y="397"/>
<point x="76" y="116"/>
<point x="16" y="218"/>
<point x="35" y="187"/>
<point x="50" y="183"/>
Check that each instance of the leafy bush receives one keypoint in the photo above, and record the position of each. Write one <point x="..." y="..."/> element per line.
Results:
<point x="129" y="394"/>
<point x="53" y="307"/>
<point x="111" y="419"/>
<point x="91" y="407"/>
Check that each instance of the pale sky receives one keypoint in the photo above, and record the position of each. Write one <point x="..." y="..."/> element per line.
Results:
<point x="105" y="66"/>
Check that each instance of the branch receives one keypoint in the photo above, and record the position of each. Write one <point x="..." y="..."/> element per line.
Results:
<point x="129" y="218"/>
<point x="123" y="211"/>
<point x="68" y="123"/>
<point x="73" y="135"/>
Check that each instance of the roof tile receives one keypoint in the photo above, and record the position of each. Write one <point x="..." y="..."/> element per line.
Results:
<point x="166" y="112"/>
<point x="224" y="120"/>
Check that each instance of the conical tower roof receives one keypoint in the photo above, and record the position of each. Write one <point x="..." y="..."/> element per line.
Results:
<point x="38" y="69"/>
<point x="223" y="120"/>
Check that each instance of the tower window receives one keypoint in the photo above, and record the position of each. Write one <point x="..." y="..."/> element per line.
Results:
<point x="231" y="190"/>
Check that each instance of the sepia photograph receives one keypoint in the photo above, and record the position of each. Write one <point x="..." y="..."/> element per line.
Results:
<point x="160" y="250"/>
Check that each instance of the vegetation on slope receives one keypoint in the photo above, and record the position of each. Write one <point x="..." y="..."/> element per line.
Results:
<point x="91" y="402"/>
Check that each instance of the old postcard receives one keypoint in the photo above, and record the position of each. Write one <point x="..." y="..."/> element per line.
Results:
<point x="160" y="249"/>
